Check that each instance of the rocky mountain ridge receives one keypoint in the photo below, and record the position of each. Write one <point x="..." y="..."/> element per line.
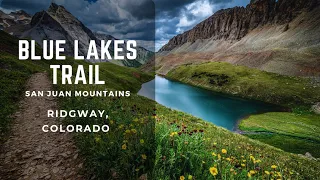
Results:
<point x="235" y="23"/>
<point x="58" y="23"/>
<point x="275" y="36"/>
<point x="13" y="19"/>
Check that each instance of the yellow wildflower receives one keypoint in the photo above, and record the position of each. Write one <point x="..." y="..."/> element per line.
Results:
<point x="214" y="154"/>
<point x="273" y="166"/>
<point x="144" y="156"/>
<point x="224" y="151"/>
<point x="181" y="177"/>
<point x="190" y="177"/>
<point x="267" y="172"/>
<point x="213" y="171"/>
<point x="257" y="161"/>
<point x="279" y="174"/>
<point x="252" y="172"/>
<point x="228" y="159"/>
<point x="243" y="165"/>
<point x="127" y="131"/>
<point x="249" y="175"/>
<point x="252" y="158"/>
<point x="124" y="146"/>
<point x="231" y="170"/>
<point x="134" y="131"/>
<point x="135" y="120"/>
<point x="219" y="156"/>
<point x="141" y="141"/>
<point x="173" y="134"/>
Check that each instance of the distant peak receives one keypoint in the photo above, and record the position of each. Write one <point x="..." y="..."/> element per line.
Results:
<point x="53" y="7"/>
<point x="261" y="1"/>
<point x="20" y="13"/>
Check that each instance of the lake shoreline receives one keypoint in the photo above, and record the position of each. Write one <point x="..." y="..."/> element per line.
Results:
<point x="224" y="93"/>
<point x="236" y="129"/>
<point x="218" y="108"/>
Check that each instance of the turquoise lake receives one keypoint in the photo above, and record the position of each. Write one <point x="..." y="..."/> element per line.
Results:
<point x="221" y="110"/>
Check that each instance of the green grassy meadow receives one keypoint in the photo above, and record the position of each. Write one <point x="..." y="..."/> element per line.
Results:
<point x="301" y="132"/>
<point x="149" y="141"/>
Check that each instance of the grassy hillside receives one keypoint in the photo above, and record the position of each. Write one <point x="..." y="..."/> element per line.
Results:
<point x="249" y="83"/>
<point x="187" y="146"/>
<point x="300" y="132"/>
<point x="180" y="146"/>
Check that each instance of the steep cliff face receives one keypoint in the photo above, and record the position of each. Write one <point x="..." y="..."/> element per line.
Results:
<point x="276" y="36"/>
<point x="234" y="23"/>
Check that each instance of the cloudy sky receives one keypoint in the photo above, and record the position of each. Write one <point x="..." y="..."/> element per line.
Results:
<point x="133" y="19"/>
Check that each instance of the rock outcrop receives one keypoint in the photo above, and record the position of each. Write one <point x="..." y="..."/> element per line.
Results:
<point x="316" y="108"/>
<point x="14" y="19"/>
<point x="234" y="23"/>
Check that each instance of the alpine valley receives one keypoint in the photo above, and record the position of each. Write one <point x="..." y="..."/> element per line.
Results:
<point x="267" y="51"/>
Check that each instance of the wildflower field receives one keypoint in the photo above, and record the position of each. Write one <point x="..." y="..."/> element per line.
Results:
<point x="190" y="148"/>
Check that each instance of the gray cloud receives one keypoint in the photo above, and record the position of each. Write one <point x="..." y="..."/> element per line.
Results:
<point x="126" y="19"/>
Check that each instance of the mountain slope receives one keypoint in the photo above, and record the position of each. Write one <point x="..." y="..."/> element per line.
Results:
<point x="16" y="19"/>
<point x="143" y="55"/>
<point x="58" y="23"/>
<point x="280" y="37"/>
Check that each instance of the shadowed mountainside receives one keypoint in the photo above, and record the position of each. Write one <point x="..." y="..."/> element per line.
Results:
<point x="281" y="37"/>
<point x="58" y="23"/>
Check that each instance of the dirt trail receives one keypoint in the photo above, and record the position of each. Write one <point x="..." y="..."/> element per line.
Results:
<point x="29" y="153"/>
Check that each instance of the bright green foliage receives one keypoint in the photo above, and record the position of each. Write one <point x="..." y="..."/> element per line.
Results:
<point x="301" y="132"/>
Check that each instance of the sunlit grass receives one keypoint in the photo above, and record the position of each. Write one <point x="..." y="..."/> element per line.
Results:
<point x="190" y="147"/>
<point x="249" y="83"/>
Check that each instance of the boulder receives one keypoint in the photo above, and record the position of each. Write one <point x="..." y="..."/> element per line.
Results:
<point x="316" y="108"/>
